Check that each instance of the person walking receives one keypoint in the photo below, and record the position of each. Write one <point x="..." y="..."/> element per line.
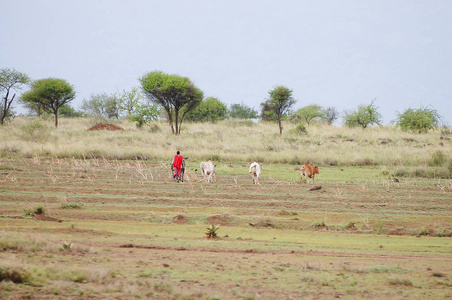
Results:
<point x="176" y="165"/>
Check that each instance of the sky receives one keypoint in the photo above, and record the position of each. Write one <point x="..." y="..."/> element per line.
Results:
<point x="331" y="53"/>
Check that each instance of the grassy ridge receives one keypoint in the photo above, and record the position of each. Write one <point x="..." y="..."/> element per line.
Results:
<point x="234" y="141"/>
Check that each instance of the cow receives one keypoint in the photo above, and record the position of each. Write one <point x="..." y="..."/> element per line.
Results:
<point x="182" y="169"/>
<point x="255" y="170"/>
<point x="309" y="171"/>
<point x="207" y="170"/>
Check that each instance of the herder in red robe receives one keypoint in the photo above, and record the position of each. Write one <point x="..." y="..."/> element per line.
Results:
<point x="177" y="165"/>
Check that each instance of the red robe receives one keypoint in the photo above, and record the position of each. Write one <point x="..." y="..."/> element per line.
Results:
<point x="178" y="161"/>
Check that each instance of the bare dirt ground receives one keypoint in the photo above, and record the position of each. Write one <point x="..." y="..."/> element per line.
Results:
<point x="138" y="234"/>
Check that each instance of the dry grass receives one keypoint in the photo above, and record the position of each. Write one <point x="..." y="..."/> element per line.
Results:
<point x="228" y="141"/>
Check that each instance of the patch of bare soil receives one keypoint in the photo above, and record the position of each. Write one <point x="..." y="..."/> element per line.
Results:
<point x="12" y="217"/>
<point x="219" y="220"/>
<point x="102" y="126"/>
<point x="180" y="219"/>
<point x="285" y="252"/>
<point x="46" y="218"/>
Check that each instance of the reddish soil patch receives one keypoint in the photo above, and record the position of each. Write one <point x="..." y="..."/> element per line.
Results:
<point x="180" y="219"/>
<point x="102" y="126"/>
<point x="13" y="217"/>
<point x="45" y="218"/>
<point x="219" y="220"/>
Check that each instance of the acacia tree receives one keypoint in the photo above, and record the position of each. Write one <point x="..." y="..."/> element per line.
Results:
<point x="308" y="113"/>
<point x="420" y="120"/>
<point x="176" y="94"/>
<point x="10" y="80"/>
<point x="365" y="115"/>
<point x="278" y="105"/>
<point x="241" y="111"/>
<point x="51" y="94"/>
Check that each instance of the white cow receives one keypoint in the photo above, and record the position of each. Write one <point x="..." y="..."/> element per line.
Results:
<point x="207" y="170"/>
<point x="255" y="170"/>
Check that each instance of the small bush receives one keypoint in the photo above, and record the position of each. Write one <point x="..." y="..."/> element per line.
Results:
<point x="153" y="128"/>
<point x="39" y="210"/>
<point x="446" y="130"/>
<point x="14" y="275"/>
<point x="300" y="129"/>
<point x="318" y="224"/>
<point x="424" y="231"/>
<point x="350" y="225"/>
<point x="71" y="206"/>
<point x="438" y="274"/>
<point x="35" y="131"/>
<point x="449" y="167"/>
<point x="441" y="234"/>
<point x="66" y="246"/>
<point x="212" y="231"/>
<point x="397" y="281"/>
<point x="438" y="158"/>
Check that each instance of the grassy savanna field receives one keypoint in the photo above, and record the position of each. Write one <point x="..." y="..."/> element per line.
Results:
<point x="115" y="225"/>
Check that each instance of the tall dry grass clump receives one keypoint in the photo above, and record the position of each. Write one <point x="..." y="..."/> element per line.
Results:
<point x="230" y="140"/>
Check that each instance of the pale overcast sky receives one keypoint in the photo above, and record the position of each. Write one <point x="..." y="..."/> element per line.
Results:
<point x="332" y="53"/>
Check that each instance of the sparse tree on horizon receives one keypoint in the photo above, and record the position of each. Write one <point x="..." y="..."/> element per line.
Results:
<point x="176" y="94"/>
<point x="10" y="80"/>
<point x="420" y="120"/>
<point x="308" y="113"/>
<point x="330" y="115"/>
<point x="278" y="105"/>
<point x="241" y="111"/>
<point x="101" y="106"/>
<point x="209" y="110"/>
<point x="51" y="93"/>
<point x="129" y="100"/>
<point x="365" y="115"/>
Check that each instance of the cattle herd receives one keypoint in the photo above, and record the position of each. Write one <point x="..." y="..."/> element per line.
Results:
<point x="208" y="171"/>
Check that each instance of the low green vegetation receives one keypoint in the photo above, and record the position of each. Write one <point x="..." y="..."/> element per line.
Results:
<point x="97" y="213"/>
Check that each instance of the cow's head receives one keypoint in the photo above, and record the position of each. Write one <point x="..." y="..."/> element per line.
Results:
<point x="316" y="170"/>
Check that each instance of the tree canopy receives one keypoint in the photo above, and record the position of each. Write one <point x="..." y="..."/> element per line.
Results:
<point x="209" y="110"/>
<point x="241" y="111"/>
<point x="176" y="94"/>
<point x="308" y="113"/>
<point x="420" y="120"/>
<point x="364" y="116"/>
<point x="278" y="105"/>
<point x="10" y="80"/>
<point x="101" y="106"/>
<point x="331" y="115"/>
<point x="51" y="94"/>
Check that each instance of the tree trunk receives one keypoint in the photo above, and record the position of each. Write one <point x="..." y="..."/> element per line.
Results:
<point x="170" y="119"/>
<point x="3" y="114"/>
<point x="280" y="126"/>
<point x="177" y="121"/>
<point x="6" y="107"/>
<point x="56" y="118"/>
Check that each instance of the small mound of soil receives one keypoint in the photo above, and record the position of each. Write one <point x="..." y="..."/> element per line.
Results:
<point x="102" y="126"/>
<point x="180" y="219"/>
<point x="219" y="220"/>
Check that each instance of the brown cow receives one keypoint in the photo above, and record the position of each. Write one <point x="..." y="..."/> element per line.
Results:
<point x="309" y="171"/>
